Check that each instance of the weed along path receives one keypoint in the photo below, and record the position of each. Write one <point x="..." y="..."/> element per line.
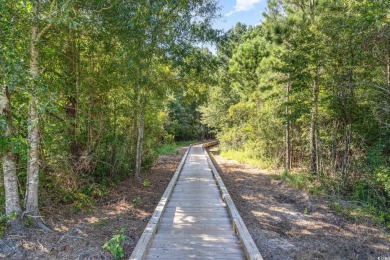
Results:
<point x="196" y="217"/>
<point x="81" y="235"/>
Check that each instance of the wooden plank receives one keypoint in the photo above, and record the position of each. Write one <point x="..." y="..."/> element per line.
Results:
<point x="194" y="244"/>
<point x="195" y="222"/>
<point x="192" y="201"/>
<point x="195" y="256"/>
<point x="179" y="250"/>
<point x="220" y="240"/>
<point x="250" y="248"/>
<point x="197" y="215"/>
<point x="194" y="195"/>
<point x="209" y="144"/>
<point x="146" y="237"/>
<point x="198" y="204"/>
<point x="189" y="220"/>
<point x="200" y="227"/>
<point x="173" y="208"/>
<point x="190" y="233"/>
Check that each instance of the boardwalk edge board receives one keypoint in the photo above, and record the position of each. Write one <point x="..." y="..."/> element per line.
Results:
<point x="249" y="246"/>
<point x="154" y="222"/>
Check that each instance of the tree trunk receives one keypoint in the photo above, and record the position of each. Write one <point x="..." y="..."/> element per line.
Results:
<point x="33" y="160"/>
<point x="288" y="126"/>
<point x="31" y="202"/>
<point x="140" y="137"/>
<point x="72" y="70"/>
<point x="345" y="159"/>
<point x="313" y="129"/>
<point x="388" y="66"/>
<point x="348" y="104"/>
<point x="12" y="203"/>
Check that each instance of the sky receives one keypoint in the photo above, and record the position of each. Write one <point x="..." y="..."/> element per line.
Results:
<point x="245" y="11"/>
<point x="233" y="11"/>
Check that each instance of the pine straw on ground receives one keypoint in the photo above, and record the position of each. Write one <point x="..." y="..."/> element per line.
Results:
<point x="286" y="223"/>
<point x="82" y="235"/>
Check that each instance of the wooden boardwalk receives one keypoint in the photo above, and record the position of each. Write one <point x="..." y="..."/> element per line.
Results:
<point x="193" y="222"/>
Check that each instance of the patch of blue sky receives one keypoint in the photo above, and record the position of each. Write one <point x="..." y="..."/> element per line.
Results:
<point x="248" y="12"/>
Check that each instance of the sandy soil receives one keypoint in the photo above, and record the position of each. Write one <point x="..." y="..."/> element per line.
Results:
<point x="81" y="236"/>
<point x="275" y="216"/>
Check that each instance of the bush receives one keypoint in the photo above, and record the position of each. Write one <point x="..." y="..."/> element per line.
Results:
<point x="114" y="244"/>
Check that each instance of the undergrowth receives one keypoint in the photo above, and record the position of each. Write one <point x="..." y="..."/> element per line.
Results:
<point x="4" y="220"/>
<point x="171" y="148"/>
<point x="244" y="157"/>
<point x="355" y="205"/>
<point x="367" y="196"/>
<point x="114" y="244"/>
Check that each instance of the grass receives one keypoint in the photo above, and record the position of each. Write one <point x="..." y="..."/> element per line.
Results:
<point x="100" y="223"/>
<point x="298" y="180"/>
<point x="244" y="157"/>
<point x="303" y="180"/>
<point x="172" y="148"/>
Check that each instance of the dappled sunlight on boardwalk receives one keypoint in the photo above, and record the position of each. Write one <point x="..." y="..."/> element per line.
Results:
<point x="195" y="223"/>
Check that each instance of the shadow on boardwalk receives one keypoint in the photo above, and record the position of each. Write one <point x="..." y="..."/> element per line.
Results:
<point x="195" y="223"/>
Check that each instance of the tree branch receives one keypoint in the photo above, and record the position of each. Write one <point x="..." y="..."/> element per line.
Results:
<point x="102" y="9"/>
<point x="47" y="27"/>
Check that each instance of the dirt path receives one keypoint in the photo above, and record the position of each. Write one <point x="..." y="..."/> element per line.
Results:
<point x="275" y="216"/>
<point x="81" y="236"/>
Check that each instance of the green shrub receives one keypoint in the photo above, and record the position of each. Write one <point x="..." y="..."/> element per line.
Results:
<point x="83" y="202"/>
<point x="147" y="183"/>
<point x="114" y="244"/>
<point x="137" y="201"/>
<point x="4" y="220"/>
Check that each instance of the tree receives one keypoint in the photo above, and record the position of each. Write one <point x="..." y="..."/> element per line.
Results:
<point x="9" y="79"/>
<point x="31" y="202"/>
<point x="309" y="88"/>
<point x="152" y="43"/>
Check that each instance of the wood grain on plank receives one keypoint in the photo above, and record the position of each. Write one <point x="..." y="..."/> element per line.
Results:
<point x="196" y="223"/>
<point x="194" y="220"/>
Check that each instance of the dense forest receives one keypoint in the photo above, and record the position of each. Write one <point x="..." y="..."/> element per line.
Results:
<point x="308" y="90"/>
<point x="90" y="90"/>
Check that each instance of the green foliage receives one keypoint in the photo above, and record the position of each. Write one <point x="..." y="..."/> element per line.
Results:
<point x="95" y="60"/>
<point x="373" y="189"/>
<point x="171" y="148"/>
<point x="4" y="220"/>
<point x="184" y="121"/>
<point x="3" y="224"/>
<point x="166" y="149"/>
<point x="307" y="83"/>
<point x="114" y="244"/>
<point x="147" y="183"/>
<point x="83" y="202"/>
<point x="137" y="202"/>
<point x="244" y="157"/>
<point x="28" y="221"/>
<point x="298" y="180"/>
<point x="100" y="223"/>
